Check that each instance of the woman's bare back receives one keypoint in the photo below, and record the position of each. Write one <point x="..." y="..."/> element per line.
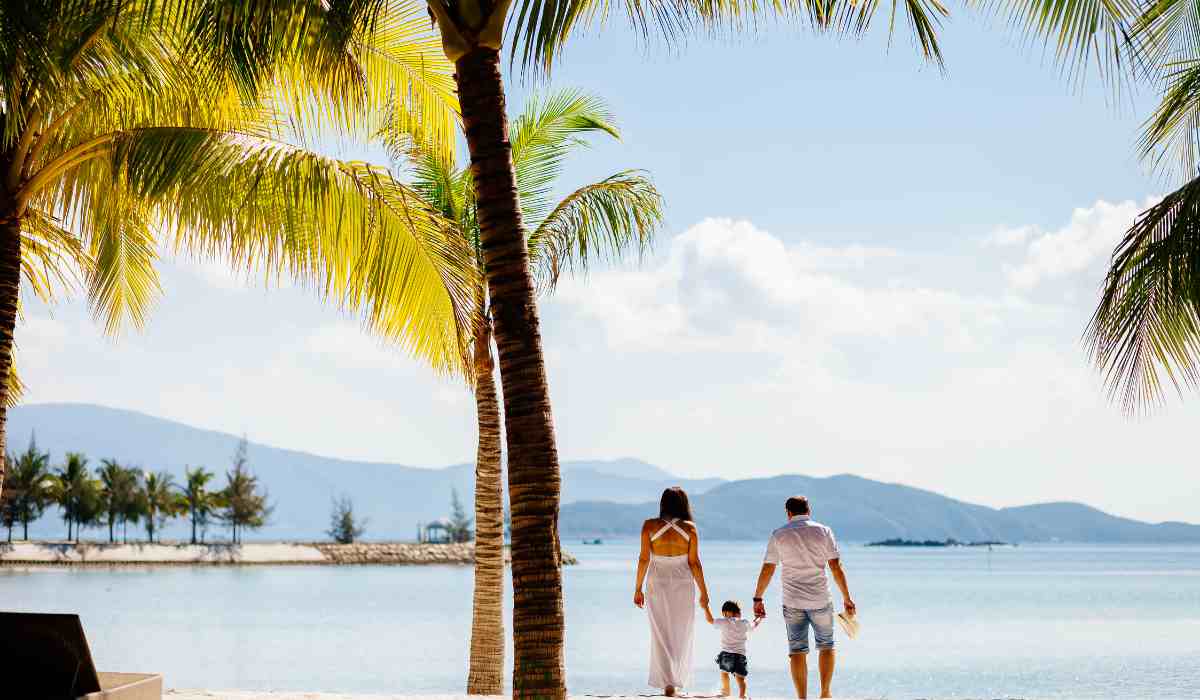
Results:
<point x="670" y="543"/>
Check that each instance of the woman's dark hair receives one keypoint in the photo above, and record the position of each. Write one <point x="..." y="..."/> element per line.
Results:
<point x="674" y="504"/>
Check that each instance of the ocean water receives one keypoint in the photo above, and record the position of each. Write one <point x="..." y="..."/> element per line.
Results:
<point x="1031" y="621"/>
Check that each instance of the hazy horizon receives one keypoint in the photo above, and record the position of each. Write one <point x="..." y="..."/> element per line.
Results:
<point x="19" y="441"/>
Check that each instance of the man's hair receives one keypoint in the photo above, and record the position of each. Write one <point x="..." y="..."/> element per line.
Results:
<point x="797" y="505"/>
<point x="731" y="606"/>
<point x="674" y="505"/>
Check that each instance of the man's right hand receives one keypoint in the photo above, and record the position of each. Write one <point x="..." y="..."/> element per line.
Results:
<point x="760" y="610"/>
<point x="850" y="608"/>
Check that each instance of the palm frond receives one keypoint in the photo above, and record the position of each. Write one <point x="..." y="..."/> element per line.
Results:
<point x="16" y="387"/>
<point x="1147" y="324"/>
<point x="1169" y="136"/>
<point x="1082" y="33"/>
<point x="600" y="221"/>
<point x="52" y="258"/>
<point x="540" y="28"/>
<point x="349" y="230"/>
<point x="542" y="136"/>
<point x="123" y="284"/>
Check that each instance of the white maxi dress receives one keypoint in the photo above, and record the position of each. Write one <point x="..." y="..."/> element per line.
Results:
<point x="671" y="607"/>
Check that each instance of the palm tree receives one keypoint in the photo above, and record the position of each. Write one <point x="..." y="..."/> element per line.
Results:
<point x="31" y="484"/>
<point x="128" y="125"/>
<point x="161" y="501"/>
<point x="599" y="220"/>
<point x="135" y="507"/>
<point x="201" y="502"/>
<point x="472" y="36"/>
<point x="118" y="491"/>
<point x="71" y="492"/>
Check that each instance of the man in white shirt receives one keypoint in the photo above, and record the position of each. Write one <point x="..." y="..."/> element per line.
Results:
<point x="803" y="548"/>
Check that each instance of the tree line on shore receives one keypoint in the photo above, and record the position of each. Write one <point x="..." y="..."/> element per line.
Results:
<point x="115" y="495"/>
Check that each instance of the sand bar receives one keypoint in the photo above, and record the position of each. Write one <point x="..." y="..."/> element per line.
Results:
<point x="89" y="553"/>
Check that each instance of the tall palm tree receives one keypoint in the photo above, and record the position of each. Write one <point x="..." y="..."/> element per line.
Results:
<point x="118" y="490"/>
<point x="128" y="125"/>
<point x="161" y="499"/>
<point x="71" y="491"/>
<point x="472" y="37"/>
<point x="600" y="220"/>
<point x="32" y="485"/>
<point x="201" y="502"/>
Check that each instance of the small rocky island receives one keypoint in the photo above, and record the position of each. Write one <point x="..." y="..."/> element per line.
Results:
<point x="950" y="542"/>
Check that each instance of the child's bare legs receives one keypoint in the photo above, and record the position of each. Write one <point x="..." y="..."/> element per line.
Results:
<point x="741" y="686"/>
<point x="724" y="684"/>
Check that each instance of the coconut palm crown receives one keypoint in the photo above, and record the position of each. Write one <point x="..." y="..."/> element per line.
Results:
<point x="128" y="128"/>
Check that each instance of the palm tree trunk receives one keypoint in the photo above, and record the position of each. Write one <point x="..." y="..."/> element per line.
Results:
<point x="533" y="476"/>
<point x="10" y="291"/>
<point x="486" y="671"/>
<point x="111" y="536"/>
<point x="193" y="526"/>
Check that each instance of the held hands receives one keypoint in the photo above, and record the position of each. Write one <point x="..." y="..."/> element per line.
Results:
<point x="760" y="610"/>
<point x="704" y="600"/>
<point x="638" y="598"/>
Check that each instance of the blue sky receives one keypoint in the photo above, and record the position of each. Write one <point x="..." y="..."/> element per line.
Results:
<point x="869" y="266"/>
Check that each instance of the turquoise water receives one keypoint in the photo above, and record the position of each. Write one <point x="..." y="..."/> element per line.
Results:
<point x="1031" y="621"/>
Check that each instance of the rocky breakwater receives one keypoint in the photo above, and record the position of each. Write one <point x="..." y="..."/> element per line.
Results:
<point x="406" y="553"/>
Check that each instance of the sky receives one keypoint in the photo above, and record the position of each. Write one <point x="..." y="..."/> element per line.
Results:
<point x="868" y="266"/>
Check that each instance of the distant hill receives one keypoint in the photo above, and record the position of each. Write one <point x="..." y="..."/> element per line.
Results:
<point x="394" y="497"/>
<point x="862" y="510"/>
<point x="601" y="498"/>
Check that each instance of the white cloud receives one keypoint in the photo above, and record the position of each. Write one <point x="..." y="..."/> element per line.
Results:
<point x="1005" y="237"/>
<point x="1087" y="240"/>
<point x="729" y="286"/>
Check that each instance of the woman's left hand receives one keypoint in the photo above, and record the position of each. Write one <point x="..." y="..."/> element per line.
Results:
<point x="703" y="601"/>
<point x="639" y="599"/>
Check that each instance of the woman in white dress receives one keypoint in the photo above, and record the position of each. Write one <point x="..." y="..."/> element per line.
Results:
<point x="669" y="565"/>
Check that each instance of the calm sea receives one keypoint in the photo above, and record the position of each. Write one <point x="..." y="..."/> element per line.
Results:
<point x="1030" y="621"/>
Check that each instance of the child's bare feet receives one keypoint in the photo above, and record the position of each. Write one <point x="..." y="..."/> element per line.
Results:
<point x="669" y="691"/>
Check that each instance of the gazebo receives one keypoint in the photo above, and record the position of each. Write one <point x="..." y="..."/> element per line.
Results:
<point x="440" y="531"/>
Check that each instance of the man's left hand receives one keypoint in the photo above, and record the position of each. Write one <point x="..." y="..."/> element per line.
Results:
<point x="760" y="610"/>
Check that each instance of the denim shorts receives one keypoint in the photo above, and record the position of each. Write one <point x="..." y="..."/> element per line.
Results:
<point x="797" y="621"/>
<point x="736" y="664"/>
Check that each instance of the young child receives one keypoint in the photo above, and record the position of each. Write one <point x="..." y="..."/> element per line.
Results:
<point x="734" y="631"/>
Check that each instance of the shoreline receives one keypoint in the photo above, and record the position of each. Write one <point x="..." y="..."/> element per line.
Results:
<point x="192" y="694"/>
<point x="89" y="554"/>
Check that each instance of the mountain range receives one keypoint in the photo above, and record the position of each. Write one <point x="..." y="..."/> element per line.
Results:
<point x="600" y="497"/>
<point x="393" y="497"/>
<point x="862" y="510"/>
